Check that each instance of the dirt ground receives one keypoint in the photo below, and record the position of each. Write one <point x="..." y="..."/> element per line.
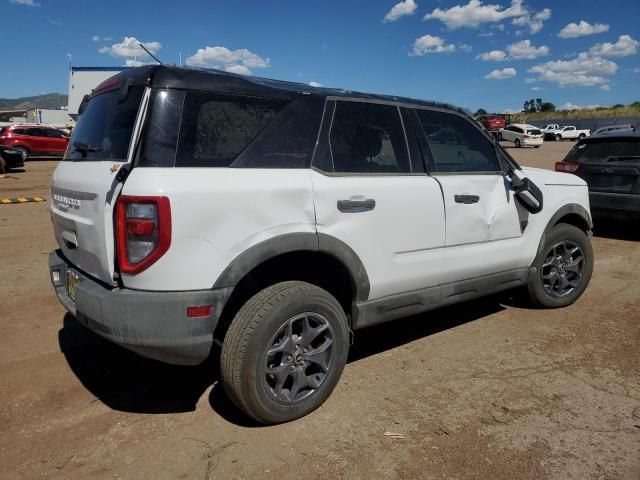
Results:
<point x="488" y="389"/>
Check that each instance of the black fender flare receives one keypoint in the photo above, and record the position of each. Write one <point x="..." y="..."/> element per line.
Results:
<point x="568" y="209"/>
<point x="296" y="242"/>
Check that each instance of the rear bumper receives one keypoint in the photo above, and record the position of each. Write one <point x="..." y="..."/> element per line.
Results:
<point x="621" y="202"/>
<point x="152" y="324"/>
<point x="533" y="142"/>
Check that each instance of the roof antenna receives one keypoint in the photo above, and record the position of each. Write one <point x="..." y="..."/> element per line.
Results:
<point x="150" y="54"/>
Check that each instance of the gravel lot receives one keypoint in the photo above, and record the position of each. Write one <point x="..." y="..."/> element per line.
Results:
<point x="488" y="389"/>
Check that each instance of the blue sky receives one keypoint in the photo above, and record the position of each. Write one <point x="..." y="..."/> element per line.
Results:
<point x="493" y="54"/>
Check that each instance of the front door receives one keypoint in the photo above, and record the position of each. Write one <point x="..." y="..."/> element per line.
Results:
<point x="483" y="219"/>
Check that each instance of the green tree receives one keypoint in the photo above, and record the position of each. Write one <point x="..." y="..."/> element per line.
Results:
<point x="480" y="112"/>
<point x="547" y="107"/>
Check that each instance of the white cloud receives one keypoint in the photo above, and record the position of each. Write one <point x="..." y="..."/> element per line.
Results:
<point x="492" y="56"/>
<point x="524" y="50"/>
<point x="516" y="51"/>
<point x="475" y="14"/>
<point x="28" y="3"/>
<point x="606" y="88"/>
<point x="573" y="106"/>
<point x="623" y="47"/>
<point x="583" y="71"/>
<point x="130" y="48"/>
<point x="636" y="70"/>
<point x="573" y="30"/>
<point x="464" y="47"/>
<point x="431" y="44"/>
<point x="315" y="84"/>
<point x="536" y="89"/>
<point x="239" y="69"/>
<point x="535" y="21"/>
<point x="501" y="74"/>
<point x="98" y="38"/>
<point x="237" y="61"/>
<point x="401" y="9"/>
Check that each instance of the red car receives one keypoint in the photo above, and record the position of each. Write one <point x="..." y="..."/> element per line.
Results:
<point x="493" y="123"/>
<point x="34" y="140"/>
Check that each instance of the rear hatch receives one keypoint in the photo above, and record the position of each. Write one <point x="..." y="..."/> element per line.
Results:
<point x="84" y="187"/>
<point x="609" y="164"/>
<point x="534" y="133"/>
<point x="494" y="123"/>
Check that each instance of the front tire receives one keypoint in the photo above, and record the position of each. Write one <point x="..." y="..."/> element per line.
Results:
<point x="284" y="352"/>
<point x="24" y="153"/>
<point x="558" y="138"/>
<point x="563" y="268"/>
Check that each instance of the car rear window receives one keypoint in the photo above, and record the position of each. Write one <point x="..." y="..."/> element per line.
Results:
<point x="104" y="129"/>
<point x="604" y="151"/>
<point x="534" y="132"/>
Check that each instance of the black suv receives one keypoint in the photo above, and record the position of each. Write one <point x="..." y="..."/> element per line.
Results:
<point x="610" y="164"/>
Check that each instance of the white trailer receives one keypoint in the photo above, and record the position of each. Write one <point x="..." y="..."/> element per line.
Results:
<point x="84" y="79"/>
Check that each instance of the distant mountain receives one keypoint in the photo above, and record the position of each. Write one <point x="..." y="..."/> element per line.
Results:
<point x="49" y="100"/>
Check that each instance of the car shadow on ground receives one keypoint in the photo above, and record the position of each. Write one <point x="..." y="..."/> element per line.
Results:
<point x="127" y="382"/>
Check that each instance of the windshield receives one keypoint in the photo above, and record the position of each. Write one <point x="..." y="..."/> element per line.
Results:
<point x="104" y="129"/>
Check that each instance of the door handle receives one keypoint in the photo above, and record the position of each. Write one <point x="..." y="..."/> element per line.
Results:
<point x="467" y="199"/>
<point x="355" y="206"/>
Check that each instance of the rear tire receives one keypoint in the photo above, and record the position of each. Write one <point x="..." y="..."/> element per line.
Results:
<point x="284" y="352"/>
<point x="517" y="142"/>
<point x="536" y="146"/>
<point x="563" y="268"/>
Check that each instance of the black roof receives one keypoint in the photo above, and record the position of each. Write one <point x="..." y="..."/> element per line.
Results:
<point x="163" y="76"/>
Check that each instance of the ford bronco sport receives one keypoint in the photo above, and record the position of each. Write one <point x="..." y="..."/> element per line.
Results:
<point x="275" y="219"/>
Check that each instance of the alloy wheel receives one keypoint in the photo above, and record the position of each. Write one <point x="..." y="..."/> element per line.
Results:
<point x="298" y="358"/>
<point x="562" y="269"/>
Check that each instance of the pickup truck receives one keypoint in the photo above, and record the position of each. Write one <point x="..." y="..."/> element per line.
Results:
<point x="570" y="133"/>
<point x="551" y="128"/>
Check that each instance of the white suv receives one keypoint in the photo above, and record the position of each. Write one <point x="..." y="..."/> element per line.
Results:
<point x="522" y="134"/>
<point x="275" y="219"/>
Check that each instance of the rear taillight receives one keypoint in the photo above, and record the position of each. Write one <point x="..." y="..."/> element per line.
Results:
<point x="525" y="136"/>
<point x="567" y="167"/>
<point x="143" y="231"/>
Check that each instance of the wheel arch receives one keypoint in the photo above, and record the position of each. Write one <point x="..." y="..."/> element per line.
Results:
<point x="319" y="259"/>
<point x="572" y="214"/>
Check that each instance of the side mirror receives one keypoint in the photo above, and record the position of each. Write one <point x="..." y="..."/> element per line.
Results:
<point x="527" y="193"/>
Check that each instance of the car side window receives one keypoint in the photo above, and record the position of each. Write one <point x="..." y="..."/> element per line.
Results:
<point x="217" y="128"/>
<point x="368" y="138"/>
<point x="456" y="145"/>
<point x="53" y="133"/>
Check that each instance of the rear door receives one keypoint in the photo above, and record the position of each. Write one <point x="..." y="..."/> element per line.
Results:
<point x="482" y="216"/>
<point x="368" y="194"/>
<point x="609" y="165"/>
<point x="84" y="188"/>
